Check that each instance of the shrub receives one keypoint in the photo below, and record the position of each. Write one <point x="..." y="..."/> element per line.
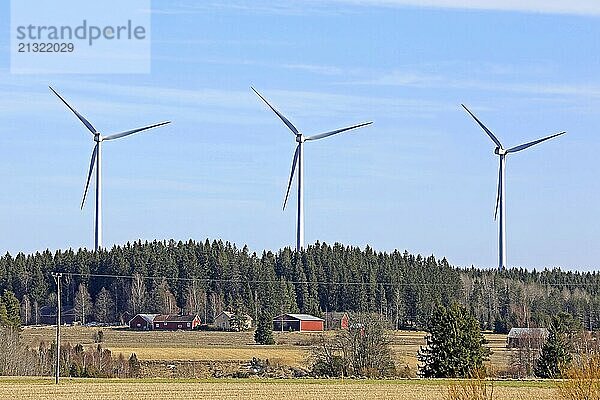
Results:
<point x="361" y="350"/>
<point x="477" y="387"/>
<point x="582" y="379"/>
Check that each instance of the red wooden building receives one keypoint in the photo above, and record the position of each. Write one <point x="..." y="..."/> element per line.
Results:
<point x="142" y="322"/>
<point x="336" y="320"/>
<point x="297" y="322"/>
<point x="174" y="322"/>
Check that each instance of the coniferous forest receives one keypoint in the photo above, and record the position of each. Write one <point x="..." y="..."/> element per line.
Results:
<point x="208" y="277"/>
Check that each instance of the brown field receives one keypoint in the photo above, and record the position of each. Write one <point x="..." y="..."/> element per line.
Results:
<point x="160" y="348"/>
<point x="42" y="389"/>
<point x="291" y="349"/>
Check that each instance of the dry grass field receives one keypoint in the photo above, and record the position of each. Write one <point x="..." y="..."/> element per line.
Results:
<point x="291" y="349"/>
<point x="44" y="389"/>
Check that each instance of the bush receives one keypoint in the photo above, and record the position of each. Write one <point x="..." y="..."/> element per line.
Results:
<point x="98" y="336"/>
<point x="477" y="387"/>
<point x="134" y="366"/>
<point x="582" y="379"/>
<point x="362" y="350"/>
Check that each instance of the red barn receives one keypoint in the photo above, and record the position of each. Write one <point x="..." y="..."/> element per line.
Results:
<point x="337" y="320"/>
<point x="297" y="322"/>
<point x="174" y="322"/>
<point x="142" y="322"/>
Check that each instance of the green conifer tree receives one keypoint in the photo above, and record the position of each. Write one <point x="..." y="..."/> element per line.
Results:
<point x="13" y="309"/>
<point x="264" y="330"/>
<point x="455" y="345"/>
<point x="555" y="355"/>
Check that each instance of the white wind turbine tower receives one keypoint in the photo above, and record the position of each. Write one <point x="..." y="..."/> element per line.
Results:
<point x="299" y="162"/>
<point x="96" y="161"/>
<point x="500" y="199"/>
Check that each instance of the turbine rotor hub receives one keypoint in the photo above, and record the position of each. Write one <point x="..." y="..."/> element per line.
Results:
<point x="97" y="137"/>
<point x="500" y="151"/>
<point x="300" y="138"/>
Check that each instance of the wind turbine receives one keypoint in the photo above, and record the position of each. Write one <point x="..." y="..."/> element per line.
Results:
<point x="500" y="200"/>
<point x="96" y="161"/>
<point x="298" y="161"/>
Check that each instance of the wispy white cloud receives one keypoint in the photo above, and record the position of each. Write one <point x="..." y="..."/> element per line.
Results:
<point x="430" y="81"/>
<point x="577" y="7"/>
<point x="99" y="101"/>
<point x="297" y="7"/>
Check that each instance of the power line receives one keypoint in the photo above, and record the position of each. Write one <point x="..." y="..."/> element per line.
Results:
<point x="333" y="283"/>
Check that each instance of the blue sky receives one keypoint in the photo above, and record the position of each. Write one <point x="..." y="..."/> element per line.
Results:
<point x="422" y="178"/>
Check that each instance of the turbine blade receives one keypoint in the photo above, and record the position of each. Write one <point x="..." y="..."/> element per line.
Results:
<point x="131" y="132"/>
<point x="280" y="115"/>
<point x="287" y="193"/>
<point x="526" y="145"/>
<point x="81" y="118"/>
<point x="331" y="133"/>
<point x="490" y="134"/>
<point x="92" y="164"/>
<point x="499" y="192"/>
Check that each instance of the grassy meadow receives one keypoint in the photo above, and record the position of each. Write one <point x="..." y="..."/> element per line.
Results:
<point x="236" y="348"/>
<point x="291" y="348"/>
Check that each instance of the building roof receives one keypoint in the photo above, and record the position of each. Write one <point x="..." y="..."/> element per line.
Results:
<point x="517" y="332"/>
<point x="149" y="318"/>
<point x="175" y="318"/>
<point x="230" y="315"/>
<point x="334" y="315"/>
<point x="300" y="317"/>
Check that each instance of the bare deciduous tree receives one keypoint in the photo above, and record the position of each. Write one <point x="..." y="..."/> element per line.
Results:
<point x="83" y="303"/>
<point x="138" y="294"/>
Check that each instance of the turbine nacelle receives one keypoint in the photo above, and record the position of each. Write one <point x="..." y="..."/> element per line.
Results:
<point x="500" y="151"/>
<point x="300" y="138"/>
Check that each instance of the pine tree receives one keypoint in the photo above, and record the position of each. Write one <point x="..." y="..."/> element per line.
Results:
<point x="455" y="345"/>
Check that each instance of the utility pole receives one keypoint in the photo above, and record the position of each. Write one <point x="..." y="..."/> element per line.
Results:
<point x="57" y="277"/>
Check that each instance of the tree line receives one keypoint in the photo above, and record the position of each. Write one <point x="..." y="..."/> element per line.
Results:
<point x="208" y="277"/>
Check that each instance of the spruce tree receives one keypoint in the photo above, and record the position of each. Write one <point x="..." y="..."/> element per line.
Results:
<point x="103" y="308"/>
<point x="555" y="355"/>
<point x="13" y="309"/>
<point x="3" y="314"/>
<point x="264" y="330"/>
<point x="455" y="345"/>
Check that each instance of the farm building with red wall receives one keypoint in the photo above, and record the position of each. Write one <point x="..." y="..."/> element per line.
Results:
<point x="158" y="322"/>
<point x="336" y="320"/>
<point x="174" y="322"/>
<point x="142" y="322"/>
<point x="297" y="322"/>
